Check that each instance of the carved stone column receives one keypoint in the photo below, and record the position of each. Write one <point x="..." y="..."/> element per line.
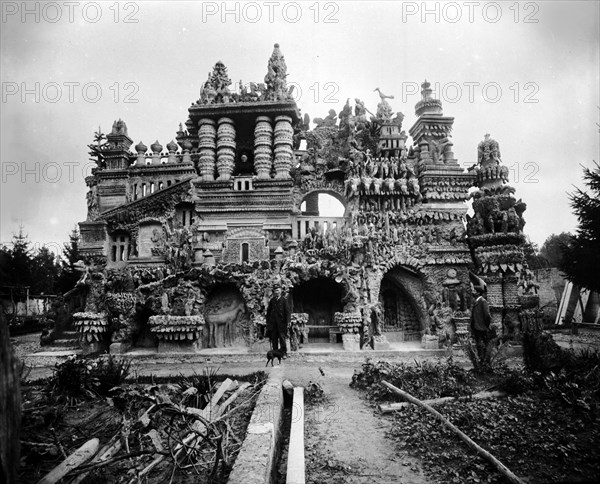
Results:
<point x="511" y="303"/>
<point x="283" y="142"/>
<point x="225" y="148"/>
<point x="495" y="301"/>
<point x="263" y="147"/>
<point x="207" y="146"/>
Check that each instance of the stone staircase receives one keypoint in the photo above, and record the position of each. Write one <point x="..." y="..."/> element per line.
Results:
<point x="68" y="342"/>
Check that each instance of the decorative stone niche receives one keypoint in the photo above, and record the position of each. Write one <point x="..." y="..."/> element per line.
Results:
<point x="152" y="240"/>
<point x="177" y="334"/>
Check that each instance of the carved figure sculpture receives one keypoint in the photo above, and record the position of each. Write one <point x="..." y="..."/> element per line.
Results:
<point x="352" y="185"/>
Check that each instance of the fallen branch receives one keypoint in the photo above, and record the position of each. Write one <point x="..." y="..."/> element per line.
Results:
<point x="392" y="407"/>
<point x="505" y="471"/>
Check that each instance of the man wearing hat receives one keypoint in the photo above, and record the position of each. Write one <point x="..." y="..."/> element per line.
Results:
<point x="278" y="320"/>
<point x="480" y="322"/>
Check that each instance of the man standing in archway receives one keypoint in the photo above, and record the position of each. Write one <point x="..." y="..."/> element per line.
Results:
<point x="278" y="320"/>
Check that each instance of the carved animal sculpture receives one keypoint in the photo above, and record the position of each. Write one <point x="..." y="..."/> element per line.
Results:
<point x="389" y="184"/>
<point x="367" y="182"/>
<point x="402" y="186"/>
<point x="377" y="186"/>
<point x="226" y="318"/>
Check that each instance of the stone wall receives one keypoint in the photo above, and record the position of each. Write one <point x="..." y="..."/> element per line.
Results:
<point x="552" y="283"/>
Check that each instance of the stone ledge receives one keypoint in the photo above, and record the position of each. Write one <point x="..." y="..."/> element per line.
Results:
<point x="256" y="462"/>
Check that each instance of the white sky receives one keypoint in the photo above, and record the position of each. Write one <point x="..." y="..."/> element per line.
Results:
<point x="546" y="52"/>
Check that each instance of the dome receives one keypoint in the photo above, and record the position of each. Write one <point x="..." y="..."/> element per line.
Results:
<point x="172" y="146"/>
<point x="141" y="148"/>
<point x="156" y="147"/>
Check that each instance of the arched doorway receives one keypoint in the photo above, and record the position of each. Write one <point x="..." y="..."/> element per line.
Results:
<point x="399" y="296"/>
<point x="320" y="298"/>
<point x="224" y="313"/>
<point x="321" y="211"/>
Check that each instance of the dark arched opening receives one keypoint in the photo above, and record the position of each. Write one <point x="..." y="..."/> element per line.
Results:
<point x="403" y="318"/>
<point x="320" y="298"/>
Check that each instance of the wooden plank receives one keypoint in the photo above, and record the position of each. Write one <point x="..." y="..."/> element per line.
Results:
<point x="209" y="409"/>
<point x="81" y="455"/>
<point x="564" y="302"/>
<point x="296" y="464"/>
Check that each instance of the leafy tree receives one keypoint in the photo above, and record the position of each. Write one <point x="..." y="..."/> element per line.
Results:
<point x="581" y="262"/>
<point x="46" y="269"/>
<point x="553" y="247"/>
<point x="532" y="256"/>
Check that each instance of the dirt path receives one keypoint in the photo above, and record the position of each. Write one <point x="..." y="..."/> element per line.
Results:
<point x="345" y="441"/>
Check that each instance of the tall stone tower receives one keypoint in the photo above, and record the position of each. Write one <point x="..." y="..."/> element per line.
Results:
<point x="495" y="233"/>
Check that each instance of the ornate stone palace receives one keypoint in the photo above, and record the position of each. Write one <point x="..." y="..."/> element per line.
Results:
<point x="182" y="247"/>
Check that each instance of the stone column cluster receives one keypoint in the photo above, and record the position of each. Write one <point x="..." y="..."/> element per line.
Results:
<point x="263" y="147"/>
<point x="207" y="148"/>
<point x="225" y="148"/>
<point x="283" y="146"/>
<point x="273" y="148"/>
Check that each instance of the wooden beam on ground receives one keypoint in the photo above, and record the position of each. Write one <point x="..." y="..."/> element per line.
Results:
<point x="392" y="407"/>
<point x="81" y="455"/>
<point x="505" y="471"/>
<point x="295" y="464"/>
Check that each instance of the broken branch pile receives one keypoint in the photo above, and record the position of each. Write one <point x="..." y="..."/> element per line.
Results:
<point x="163" y="432"/>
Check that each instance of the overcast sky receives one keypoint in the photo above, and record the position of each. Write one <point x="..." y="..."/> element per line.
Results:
<point x="526" y="72"/>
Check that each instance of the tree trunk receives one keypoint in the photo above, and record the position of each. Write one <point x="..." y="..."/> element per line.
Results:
<point x="10" y="407"/>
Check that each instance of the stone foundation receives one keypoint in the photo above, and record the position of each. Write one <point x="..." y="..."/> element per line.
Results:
<point x="186" y="346"/>
<point x="351" y="342"/>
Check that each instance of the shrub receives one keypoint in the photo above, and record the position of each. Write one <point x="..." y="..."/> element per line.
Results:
<point x="424" y="380"/>
<point x="78" y="378"/>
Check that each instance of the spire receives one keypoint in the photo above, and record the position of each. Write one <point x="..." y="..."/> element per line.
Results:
<point x="275" y="79"/>
<point x="427" y="104"/>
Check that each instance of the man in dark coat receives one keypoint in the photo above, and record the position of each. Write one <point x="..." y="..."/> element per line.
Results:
<point x="278" y="321"/>
<point x="480" y="323"/>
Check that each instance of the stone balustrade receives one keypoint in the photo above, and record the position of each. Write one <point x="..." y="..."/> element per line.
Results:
<point x="304" y="225"/>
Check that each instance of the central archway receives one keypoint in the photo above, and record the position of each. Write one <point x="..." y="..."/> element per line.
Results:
<point x="400" y="296"/>
<point x="320" y="298"/>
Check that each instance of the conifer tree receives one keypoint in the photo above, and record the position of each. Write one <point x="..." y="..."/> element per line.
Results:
<point x="581" y="263"/>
